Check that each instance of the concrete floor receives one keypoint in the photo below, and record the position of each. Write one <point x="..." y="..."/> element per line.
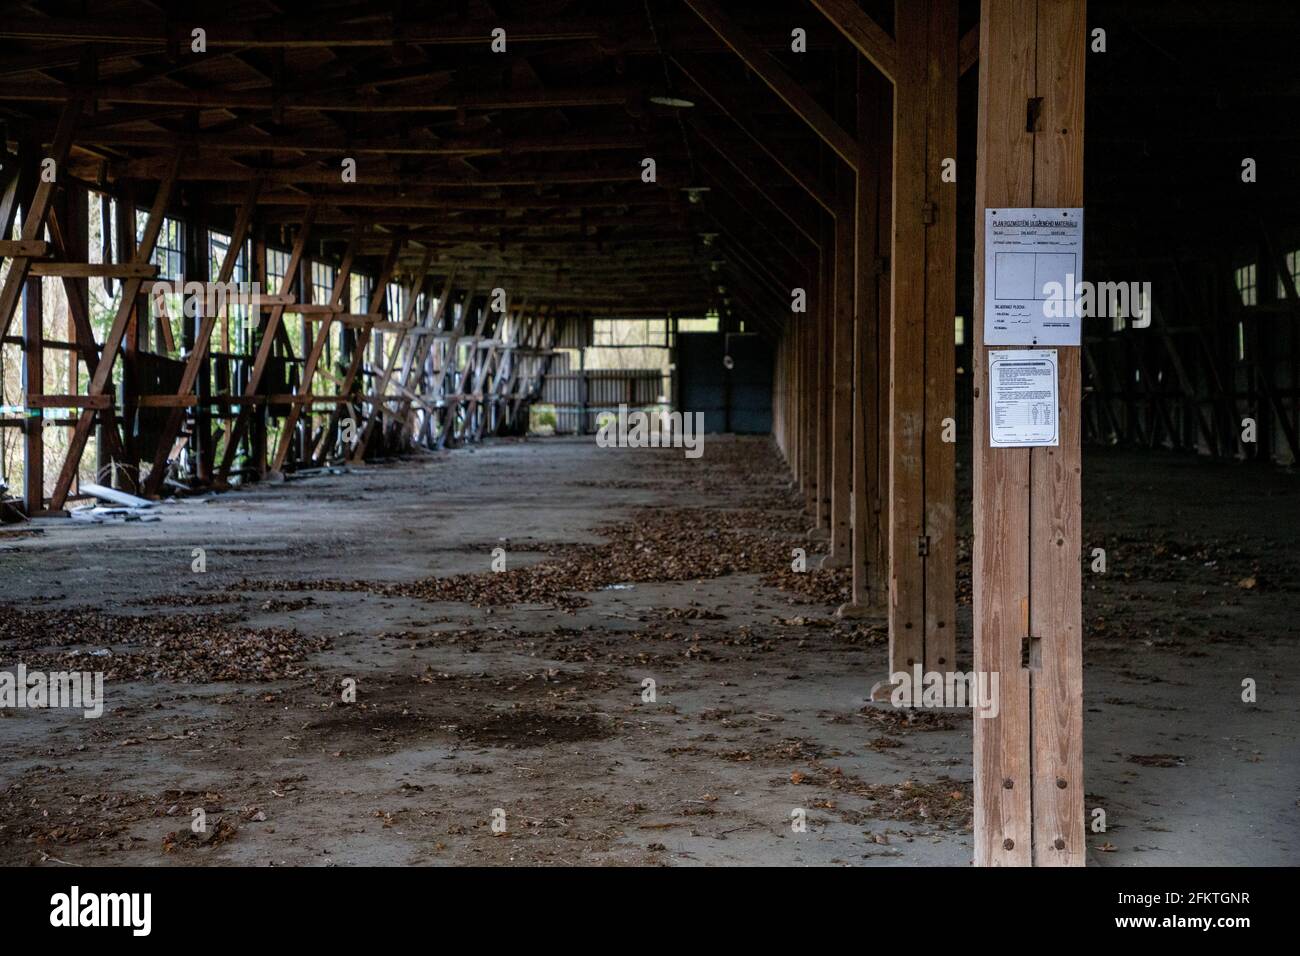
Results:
<point x="229" y="694"/>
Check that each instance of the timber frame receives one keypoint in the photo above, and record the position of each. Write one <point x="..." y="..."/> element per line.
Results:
<point x="427" y="218"/>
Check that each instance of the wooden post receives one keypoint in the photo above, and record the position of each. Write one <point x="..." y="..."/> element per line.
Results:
<point x="257" y="326"/>
<point x="120" y="470"/>
<point x="922" y="539"/>
<point x="34" y="385"/>
<point x="840" y="336"/>
<point x="1027" y="577"/>
<point x="871" y="343"/>
<point x="822" y="421"/>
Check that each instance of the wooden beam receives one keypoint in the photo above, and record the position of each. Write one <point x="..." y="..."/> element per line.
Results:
<point x="95" y="270"/>
<point x="770" y="71"/>
<point x="383" y="175"/>
<point x="1029" y="785"/>
<point x="439" y="100"/>
<point x="705" y="77"/>
<point x="863" y="32"/>
<point x="299" y="32"/>
<point x="922" y="481"/>
<point x="34" y="371"/>
<point x="871" y="345"/>
<point x="841" y="332"/>
<point x="313" y="142"/>
<point x="30" y="249"/>
<point x="349" y="197"/>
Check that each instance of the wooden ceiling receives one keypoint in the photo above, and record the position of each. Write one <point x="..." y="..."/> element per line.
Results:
<point x="526" y="165"/>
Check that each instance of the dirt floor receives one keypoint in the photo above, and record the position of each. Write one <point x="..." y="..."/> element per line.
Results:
<point x="523" y="691"/>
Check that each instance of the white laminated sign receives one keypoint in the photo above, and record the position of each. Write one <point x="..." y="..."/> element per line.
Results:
<point x="1023" y="398"/>
<point x="1033" y="263"/>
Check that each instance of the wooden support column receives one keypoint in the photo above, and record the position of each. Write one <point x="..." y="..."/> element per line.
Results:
<point x="257" y="440"/>
<point x="840" y="335"/>
<point x="808" y="402"/>
<point x="1028" y="540"/>
<point x="922" y="538"/>
<point x="34" y="385"/>
<point x="821" y="412"/>
<point x="871" y="344"/>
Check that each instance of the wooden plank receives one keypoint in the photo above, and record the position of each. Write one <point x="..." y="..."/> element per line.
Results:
<point x="874" y="108"/>
<point x="1004" y="177"/>
<point x="38" y="400"/>
<point x="320" y="309"/>
<point x="823" y="358"/>
<point x="907" y="382"/>
<point x="863" y="32"/>
<point x="770" y="71"/>
<point x="1056" y="541"/>
<point x="413" y="101"/>
<point x="34" y="373"/>
<point x="879" y="482"/>
<point x="940" y="456"/>
<point x="841" y="337"/>
<point x="27" y="248"/>
<point x="95" y="270"/>
<point x="300" y="33"/>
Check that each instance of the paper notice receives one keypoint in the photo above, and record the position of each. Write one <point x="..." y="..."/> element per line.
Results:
<point x="1023" y="398"/>
<point x="1033" y="264"/>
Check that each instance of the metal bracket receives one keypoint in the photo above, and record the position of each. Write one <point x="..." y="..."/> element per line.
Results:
<point x="923" y="545"/>
<point x="929" y="213"/>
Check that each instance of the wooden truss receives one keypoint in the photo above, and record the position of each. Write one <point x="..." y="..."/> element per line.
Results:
<point x="438" y="379"/>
